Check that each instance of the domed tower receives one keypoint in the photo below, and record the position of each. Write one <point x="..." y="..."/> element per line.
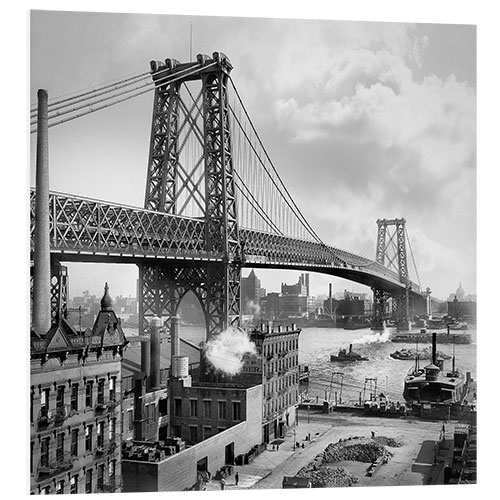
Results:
<point x="460" y="293"/>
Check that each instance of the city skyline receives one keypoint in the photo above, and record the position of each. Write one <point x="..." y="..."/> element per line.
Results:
<point x="333" y="114"/>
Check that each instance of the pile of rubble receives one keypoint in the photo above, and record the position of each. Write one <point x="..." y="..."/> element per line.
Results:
<point x="328" y="476"/>
<point x="322" y="472"/>
<point x="356" y="449"/>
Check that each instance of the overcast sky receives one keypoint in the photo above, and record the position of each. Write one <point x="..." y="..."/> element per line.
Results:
<point x="363" y="121"/>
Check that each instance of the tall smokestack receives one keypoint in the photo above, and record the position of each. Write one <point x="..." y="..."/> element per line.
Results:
<point x="174" y="336"/>
<point x="330" y="297"/>
<point x="41" y="277"/>
<point x="154" y="380"/>
<point x="433" y="348"/>
<point x="146" y="356"/>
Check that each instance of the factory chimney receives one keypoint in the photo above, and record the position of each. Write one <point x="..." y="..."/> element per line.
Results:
<point x="41" y="277"/>
<point x="154" y="379"/>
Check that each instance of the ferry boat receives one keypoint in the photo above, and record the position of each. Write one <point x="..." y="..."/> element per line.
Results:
<point x="424" y="354"/>
<point x="433" y="384"/>
<point x="347" y="356"/>
<point x="442" y="337"/>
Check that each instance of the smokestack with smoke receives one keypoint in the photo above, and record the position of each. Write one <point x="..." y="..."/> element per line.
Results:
<point x="225" y="351"/>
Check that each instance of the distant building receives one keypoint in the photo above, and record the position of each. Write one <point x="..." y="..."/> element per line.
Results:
<point x="251" y="293"/>
<point x="461" y="306"/>
<point x="75" y="409"/>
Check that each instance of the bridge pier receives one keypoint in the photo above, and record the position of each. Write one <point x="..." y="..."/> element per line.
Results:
<point x="216" y="285"/>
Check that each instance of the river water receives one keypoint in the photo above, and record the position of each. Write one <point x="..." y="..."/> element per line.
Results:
<point x="316" y="345"/>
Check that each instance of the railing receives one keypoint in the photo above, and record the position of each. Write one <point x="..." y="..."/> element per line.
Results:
<point x="60" y="463"/>
<point x="102" y="406"/>
<point x="113" y="484"/>
<point x="54" y="415"/>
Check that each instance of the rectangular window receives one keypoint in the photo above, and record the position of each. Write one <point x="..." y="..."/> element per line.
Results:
<point x="193" y="407"/>
<point x="44" y="402"/>
<point x="88" y="481"/>
<point x="207" y="409"/>
<point x="88" y="393"/>
<point x="222" y="409"/>
<point x="60" y="396"/>
<point x="44" y="452"/>
<point x="60" y="446"/>
<point x="100" y="476"/>
<point x="207" y="431"/>
<point x="32" y="445"/>
<point x="112" y="429"/>
<point x="111" y="470"/>
<point x="74" y="397"/>
<point x="100" y="391"/>
<point x="100" y="434"/>
<point x="236" y="407"/>
<point x="130" y="414"/>
<point x="74" y="442"/>
<point x="193" y="433"/>
<point x="73" y="485"/>
<point x="88" y="437"/>
<point x="112" y="388"/>
<point x="177" y="407"/>
<point x="60" y="487"/>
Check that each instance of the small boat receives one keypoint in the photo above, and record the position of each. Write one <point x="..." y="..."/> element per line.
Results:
<point x="347" y="356"/>
<point x="411" y="354"/>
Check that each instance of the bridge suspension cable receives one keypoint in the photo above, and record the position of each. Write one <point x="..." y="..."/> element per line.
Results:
<point x="133" y="92"/>
<point x="92" y="91"/>
<point x="413" y="258"/>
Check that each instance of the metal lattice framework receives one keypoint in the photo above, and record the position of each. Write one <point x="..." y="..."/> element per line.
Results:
<point x="391" y="252"/>
<point x="214" y="203"/>
<point x="83" y="227"/>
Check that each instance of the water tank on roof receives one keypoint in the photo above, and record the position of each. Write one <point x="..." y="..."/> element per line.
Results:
<point x="180" y="366"/>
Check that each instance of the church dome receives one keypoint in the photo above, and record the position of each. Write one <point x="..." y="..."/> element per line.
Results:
<point x="460" y="293"/>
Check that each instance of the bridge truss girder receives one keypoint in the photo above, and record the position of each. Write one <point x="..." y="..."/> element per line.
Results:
<point x="215" y="284"/>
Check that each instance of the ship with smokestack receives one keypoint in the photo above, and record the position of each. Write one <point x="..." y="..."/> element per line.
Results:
<point x="343" y="355"/>
<point x="434" y="384"/>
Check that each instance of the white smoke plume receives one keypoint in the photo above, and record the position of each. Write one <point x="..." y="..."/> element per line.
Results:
<point x="253" y="307"/>
<point x="225" y="351"/>
<point x="373" y="338"/>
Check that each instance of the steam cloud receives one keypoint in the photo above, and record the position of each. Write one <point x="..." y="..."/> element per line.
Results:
<point x="253" y="307"/>
<point x="225" y="352"/>
<point x="371" y="338"/>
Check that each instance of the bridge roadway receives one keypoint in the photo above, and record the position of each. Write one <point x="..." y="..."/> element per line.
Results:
<point x="88" y="230"/>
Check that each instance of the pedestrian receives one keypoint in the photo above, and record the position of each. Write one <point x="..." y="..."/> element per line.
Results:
<point x="373" y="435"/>
<point x="222" y="484"/>
<point x="277" y="447"/>
<point x="237" y="478"/>
<point x="273" y="447"/>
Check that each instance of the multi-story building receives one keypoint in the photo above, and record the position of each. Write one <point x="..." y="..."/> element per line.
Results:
<point x="75" y="412"/>
<point x="279" y="349"/>
<point x="251" y="293"/>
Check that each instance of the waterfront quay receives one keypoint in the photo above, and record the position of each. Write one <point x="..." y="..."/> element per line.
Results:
<point x="417" y="461"/>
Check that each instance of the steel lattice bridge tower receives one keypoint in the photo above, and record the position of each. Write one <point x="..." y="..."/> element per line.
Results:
<point x="213" y="204"/>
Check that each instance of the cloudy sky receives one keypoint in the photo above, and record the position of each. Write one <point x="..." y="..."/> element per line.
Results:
<point x="363" y="120"/>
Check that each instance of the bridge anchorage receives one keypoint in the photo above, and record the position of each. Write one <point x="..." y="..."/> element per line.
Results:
<point x="214" y="203"/>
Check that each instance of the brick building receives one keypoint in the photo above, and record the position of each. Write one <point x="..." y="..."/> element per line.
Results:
<point x="75" y="410"/>
<point x="279" y="349"/>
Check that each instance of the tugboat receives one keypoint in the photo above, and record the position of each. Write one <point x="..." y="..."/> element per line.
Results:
<point x="347" y="356"/>
<point x="432" y="384"/>
<point x="425" y="353"/>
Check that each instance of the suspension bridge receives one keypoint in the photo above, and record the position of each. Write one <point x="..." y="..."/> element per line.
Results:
<point x="214" y="204"/>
